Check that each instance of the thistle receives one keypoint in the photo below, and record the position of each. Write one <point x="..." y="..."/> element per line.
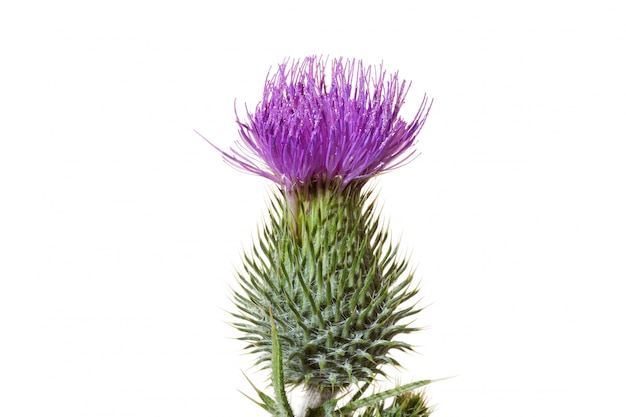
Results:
<point x="323" y="294"/>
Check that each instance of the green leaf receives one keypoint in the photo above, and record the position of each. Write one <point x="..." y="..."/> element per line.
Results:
<point x="268" y="403"/>
<point x="277" y="373"/>
<point x="381" y="396"/>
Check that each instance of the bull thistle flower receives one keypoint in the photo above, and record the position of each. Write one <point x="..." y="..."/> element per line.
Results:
<point x="323" y="293"/>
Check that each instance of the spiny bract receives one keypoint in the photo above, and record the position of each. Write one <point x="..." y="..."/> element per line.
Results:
<point x="333" y="286"/>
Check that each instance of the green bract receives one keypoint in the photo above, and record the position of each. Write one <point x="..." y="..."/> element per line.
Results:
<point x="332" y="281"/>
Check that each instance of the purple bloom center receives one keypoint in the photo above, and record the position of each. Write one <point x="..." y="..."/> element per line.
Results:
<point x="308" y="128"/>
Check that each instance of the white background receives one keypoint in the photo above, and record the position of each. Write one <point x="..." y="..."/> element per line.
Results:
<point x="120" y="228"/>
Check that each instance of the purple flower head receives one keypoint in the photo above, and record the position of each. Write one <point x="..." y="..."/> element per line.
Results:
<point x="315" y="127"/>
